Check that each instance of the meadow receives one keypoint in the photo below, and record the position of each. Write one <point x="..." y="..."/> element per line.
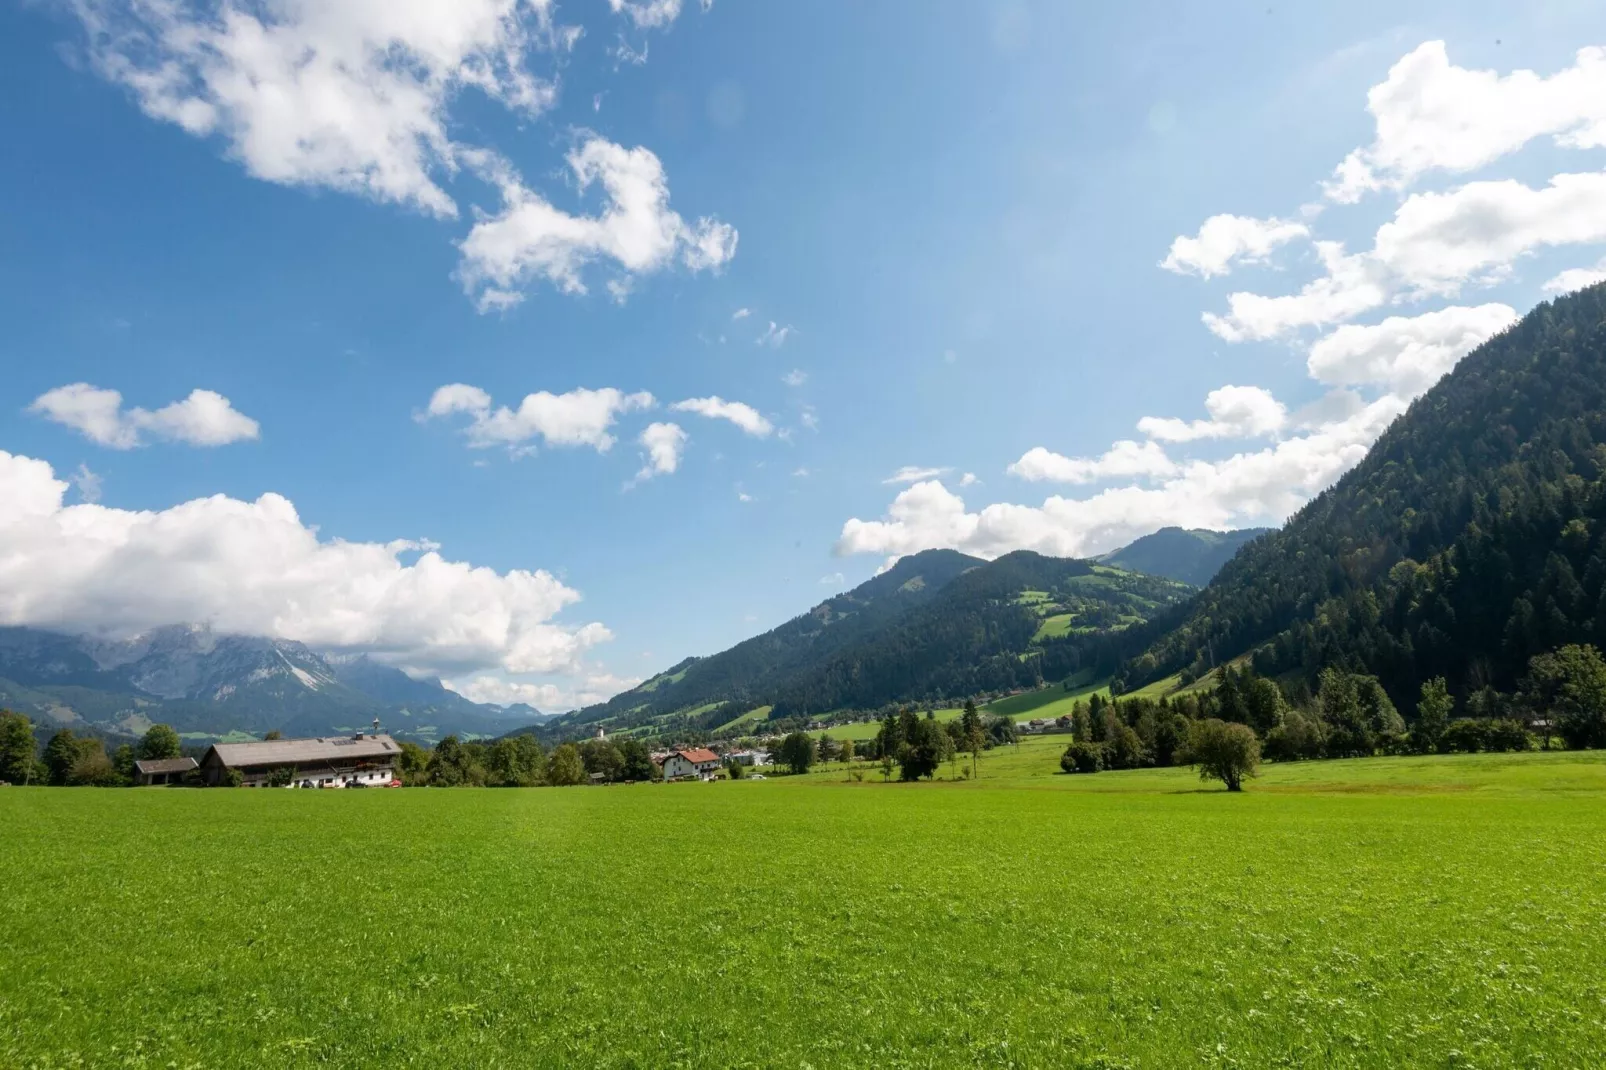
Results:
<point x="1438" y="911"/>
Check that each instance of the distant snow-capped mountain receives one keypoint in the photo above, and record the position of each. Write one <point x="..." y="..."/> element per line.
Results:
<point x="208" y="684"/>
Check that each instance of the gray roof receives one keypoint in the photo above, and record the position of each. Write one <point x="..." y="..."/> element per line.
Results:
<point x="165" y="765"/>
<point x="338" y="749"/>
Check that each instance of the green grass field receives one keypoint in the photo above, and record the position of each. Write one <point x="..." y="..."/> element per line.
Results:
<point x="1438" y="912"/>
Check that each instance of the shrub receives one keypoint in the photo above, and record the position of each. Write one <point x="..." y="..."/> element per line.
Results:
<point x="1465" y="735"/>
<point x="1300" y="736"/>
<point x="282" y="777"/>
<point x="1082" y="757"/>
<point x="1505" y="734"/>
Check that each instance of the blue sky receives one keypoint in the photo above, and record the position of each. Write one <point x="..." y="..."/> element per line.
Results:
<point x="902" y="236"/>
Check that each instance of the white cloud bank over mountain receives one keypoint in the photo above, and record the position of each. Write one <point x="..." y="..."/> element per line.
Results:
<point x="1432" y="119"/>
<point x="256" y="568"/>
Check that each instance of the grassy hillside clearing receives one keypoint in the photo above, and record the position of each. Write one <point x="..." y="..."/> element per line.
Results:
<point x="752" y="718"/>
<point x="1047" y="702"/>
<point x="1378" y="913"/>
<point x="862" y="730"/>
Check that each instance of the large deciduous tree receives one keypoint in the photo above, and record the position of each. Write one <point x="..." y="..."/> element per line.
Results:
<point x="797" y="752"/>
<point x="1568" y="688"/>
<point x="159" y="741"/>
<point x="1224" y="751"/>
<point x="564" y="768"/>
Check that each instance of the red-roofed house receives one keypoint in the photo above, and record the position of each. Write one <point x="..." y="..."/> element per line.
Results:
<point x="690" y="761"/>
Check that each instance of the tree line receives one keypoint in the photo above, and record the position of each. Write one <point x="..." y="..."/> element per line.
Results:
<point x="1560" y="700"/>
<point x="69" y="759"/>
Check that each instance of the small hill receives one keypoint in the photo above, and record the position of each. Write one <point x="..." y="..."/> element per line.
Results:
<point x="1192" y="555"/>
<point x="937" y="624"/>
<point x="1471" y="537"/>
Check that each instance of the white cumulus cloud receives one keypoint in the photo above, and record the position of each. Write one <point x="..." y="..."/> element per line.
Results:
<point x="580" y="417"/>
<point x="1225" y="240"/>
<point x="348" y="94"/>
<point x="531" y="239"/>
<point x="1265" y="486"/>
<point x="1125" y="459"/>
<point x="739" y="413"/>
<point x="1352" y="285"/>
<point x="1438" y="242"/>
<point x="255" y="568"/>
<point x="1575" y="279"/>
<point x="1434" y="116"/>
<point x="548" y="697"/>
<point x="663" y="444"/>
<point x="1405" y="354"/>
<point x="1235" y="412"/>
<point x="204" y="418"/>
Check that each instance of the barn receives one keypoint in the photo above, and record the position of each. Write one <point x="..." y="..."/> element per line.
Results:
<point x="149" y="771"/>
<point x="364" y="759"/>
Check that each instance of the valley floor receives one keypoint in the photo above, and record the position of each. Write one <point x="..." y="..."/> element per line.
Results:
<point x="1441" y="911"/>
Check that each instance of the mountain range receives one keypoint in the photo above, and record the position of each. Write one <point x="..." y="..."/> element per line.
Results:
<point x="210" y="686"/>
<point x="936" y="625"/>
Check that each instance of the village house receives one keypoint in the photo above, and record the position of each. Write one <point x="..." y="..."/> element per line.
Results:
<point x="690" y="761"/>
<point x="748" y="757"/>
<point x="161" y="770"/>
<point x="363" y="759"/>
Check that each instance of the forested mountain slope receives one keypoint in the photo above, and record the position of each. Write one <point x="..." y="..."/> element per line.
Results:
<point x="938" y="624"/>
<point x="1469" y="539"/>
<point x="1192" y="555"/>
<point x="748" y="668"/>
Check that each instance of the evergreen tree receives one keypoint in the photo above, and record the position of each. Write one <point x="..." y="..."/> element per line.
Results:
<point x="61" y="752"/>
<point x="16" y="748"/>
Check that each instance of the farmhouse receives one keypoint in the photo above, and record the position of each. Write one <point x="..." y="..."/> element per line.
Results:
<point x="162" y="770"/>
<point x="748" y="757"/>
<point x="336" y="761"/>
<point x="690" y="761"/>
